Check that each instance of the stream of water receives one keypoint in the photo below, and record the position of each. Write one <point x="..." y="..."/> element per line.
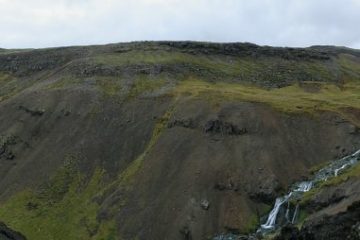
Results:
<point x="298" y="189"/>
<point x="283" y="212"/>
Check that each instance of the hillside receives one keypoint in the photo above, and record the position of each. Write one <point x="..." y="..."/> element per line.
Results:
<point x="174" y="140"/>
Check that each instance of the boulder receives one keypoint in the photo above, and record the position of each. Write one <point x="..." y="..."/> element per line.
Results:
<point x="219" y="127"/>
<point x="205" y="204"/>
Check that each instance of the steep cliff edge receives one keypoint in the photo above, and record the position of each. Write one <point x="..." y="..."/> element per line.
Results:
<point x="167" y="140"/>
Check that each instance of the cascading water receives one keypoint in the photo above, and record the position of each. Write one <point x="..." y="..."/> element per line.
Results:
<point x="271" y="221"/>
<point x="298" y="190"/>
<point x="296" y="193"/>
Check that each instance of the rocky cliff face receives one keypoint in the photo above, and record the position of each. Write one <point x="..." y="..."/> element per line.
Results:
<point x="171" y="140"/>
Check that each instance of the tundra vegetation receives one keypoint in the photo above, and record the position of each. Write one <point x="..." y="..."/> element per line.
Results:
<point x="126" y="145"/>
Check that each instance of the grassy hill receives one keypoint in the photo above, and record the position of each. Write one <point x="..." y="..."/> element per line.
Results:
<point x="127" y="141"/>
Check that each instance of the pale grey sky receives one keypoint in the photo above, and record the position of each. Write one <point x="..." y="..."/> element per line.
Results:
<point x="48" y="23"/>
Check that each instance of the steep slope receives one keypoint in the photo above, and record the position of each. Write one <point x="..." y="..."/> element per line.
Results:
<point x="166" y="140"/>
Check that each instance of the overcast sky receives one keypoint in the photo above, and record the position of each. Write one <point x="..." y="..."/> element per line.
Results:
<point x="48" y="23"/>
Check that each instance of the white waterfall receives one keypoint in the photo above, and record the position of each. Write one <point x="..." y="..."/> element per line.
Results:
<point x="336" y="171"/>
<point x="304" y="186"/>
<point x="298" y="189"/>
<point x="271" y="221"/>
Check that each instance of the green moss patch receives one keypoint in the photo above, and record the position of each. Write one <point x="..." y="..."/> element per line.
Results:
<point x="108" y="86"/>
<point x="334" y="181"/>
<point x="61" y="209"/>
<point x="350" y="66"/>
<point x="264" y="69"/>
<point x="252" y="224"/>
<point x="146" y="84"/>
<point x="65" y="206"/>
<point x="8" y="86"/>
<point x="64" y="82"/>
<point x="303" y="214"/>
<point x="4" y="77"/>
<point x="126" y="178"/>
<point x="349" y="173"/>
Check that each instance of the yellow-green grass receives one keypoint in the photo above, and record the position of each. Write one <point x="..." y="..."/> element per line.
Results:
<point x="349" y="173"/>
<point x="146" y="84"/>
<point x="231" y="66"/>
<point x="351" y="66"/>
<point x="64" y="82"/>
<point x="334" y="181"/>
<point x="303" y="214"/>
<point x="9" y="86"/>
<point x="288" y="99"/>
<point x="63" y="209"/>
<point x="125" y="179"/>
<point x="4" y="77"/>
<point x="226" y="65"/>
<point x="109" y="86"/>
<point x="252" y="224"/>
